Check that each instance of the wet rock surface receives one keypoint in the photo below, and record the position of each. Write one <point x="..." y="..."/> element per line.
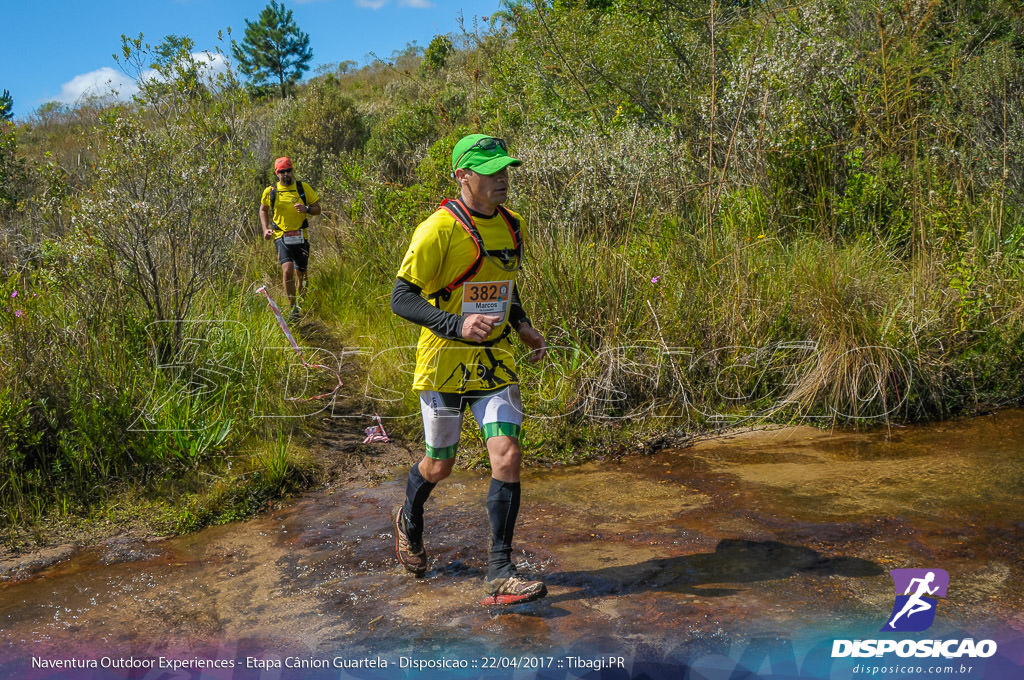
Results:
<point x="16" y="568"/>
<point x="117" y="550"/>
<point x="685" y="551"/>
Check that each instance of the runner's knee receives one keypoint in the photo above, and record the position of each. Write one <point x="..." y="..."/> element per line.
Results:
<point x="506" y="457"/>
<point x="434" y="470"/>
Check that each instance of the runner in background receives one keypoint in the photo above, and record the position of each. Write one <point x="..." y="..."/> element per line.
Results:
<point x="285" y="208"/>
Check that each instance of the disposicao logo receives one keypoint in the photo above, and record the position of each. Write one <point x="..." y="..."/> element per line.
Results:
<point x="918" y="592"/>
<point x="921" y="590"/>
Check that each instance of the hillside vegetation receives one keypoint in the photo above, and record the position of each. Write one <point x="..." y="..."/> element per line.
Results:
<point x="736" y="212"/>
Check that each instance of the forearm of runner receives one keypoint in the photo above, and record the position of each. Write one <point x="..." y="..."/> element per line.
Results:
<point x="407" y="303"/>
<point x="516" y="313"/>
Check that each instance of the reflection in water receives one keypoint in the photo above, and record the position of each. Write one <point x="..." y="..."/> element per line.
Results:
<point x="683" y="551"/>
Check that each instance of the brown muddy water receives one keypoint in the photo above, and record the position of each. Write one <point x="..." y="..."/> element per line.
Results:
<point x="689" y="553"/>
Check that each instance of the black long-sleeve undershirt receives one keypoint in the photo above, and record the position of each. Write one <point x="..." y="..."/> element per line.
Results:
<point x="407" y="303"/>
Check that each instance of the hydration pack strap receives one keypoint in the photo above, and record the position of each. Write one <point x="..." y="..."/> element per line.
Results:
<point x="505" y="332"/>
<point x="461" y="214"/>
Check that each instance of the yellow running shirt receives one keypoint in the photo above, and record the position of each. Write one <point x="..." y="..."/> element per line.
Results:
<point x="441" y="250"/>
<point x="284" y="214"/>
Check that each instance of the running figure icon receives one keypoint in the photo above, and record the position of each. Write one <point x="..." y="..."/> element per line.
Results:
<point x="917" y="594"/>
<point x="917" y="603"/>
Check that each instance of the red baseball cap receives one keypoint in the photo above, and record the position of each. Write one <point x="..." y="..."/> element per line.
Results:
<point x="282" y="163"/>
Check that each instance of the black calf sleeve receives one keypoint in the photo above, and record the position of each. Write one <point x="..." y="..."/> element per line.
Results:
<point x="503" y="510"/>
<point x="417" y="491"/>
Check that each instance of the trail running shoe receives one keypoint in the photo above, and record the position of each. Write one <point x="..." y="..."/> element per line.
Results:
<point x="409" y="550"/>
<point x="294" y="315"/>
<point x="513" y="590"/>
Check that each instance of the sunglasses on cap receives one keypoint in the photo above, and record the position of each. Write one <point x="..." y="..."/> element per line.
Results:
<point x="487" y="144"/>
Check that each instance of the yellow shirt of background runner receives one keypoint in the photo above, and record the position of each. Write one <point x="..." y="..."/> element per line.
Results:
<point x="285" y="216"/>
<point x="439" y="252"/>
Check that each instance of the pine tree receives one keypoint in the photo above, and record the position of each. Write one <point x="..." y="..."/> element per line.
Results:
<point x="273" y="49"/>
<point x="6" y="106"/>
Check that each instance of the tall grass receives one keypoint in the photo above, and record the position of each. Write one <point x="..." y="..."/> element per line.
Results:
<point x="651" y="327"/>
<point x="91" y="408"/>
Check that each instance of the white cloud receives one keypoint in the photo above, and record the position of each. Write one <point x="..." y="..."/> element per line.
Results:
<point x="377" y="4"/>
<point x="99" y="83"/>
<point x="109" y="82"/>
<point x="216" y="64"/>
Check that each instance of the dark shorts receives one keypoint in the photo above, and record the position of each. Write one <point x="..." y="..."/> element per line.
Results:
<point x="299" y="254"/>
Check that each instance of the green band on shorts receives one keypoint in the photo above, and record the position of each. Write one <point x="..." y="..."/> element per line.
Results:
<point x="442" y="453"/>
<point x="500" y="430"/>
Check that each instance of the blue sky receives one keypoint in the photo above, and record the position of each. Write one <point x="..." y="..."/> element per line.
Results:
<point x="54" y="50"/>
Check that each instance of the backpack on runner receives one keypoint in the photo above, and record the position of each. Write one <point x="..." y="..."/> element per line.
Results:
<point x="302" y="197"/>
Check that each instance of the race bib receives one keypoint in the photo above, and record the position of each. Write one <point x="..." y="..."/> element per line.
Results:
<point x="487" y="297"/>
<point x="293" y="238"/>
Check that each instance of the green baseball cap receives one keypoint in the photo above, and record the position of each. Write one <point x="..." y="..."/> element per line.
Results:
<point x="483" y="154"/>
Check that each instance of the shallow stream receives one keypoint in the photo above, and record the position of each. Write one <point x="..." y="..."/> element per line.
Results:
<point x="686" y="554"/>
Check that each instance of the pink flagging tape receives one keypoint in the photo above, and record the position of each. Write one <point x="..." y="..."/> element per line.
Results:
<point x="376" y="433"/>
<point x="280" y="319"/>
<point x="288" y="334"/>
